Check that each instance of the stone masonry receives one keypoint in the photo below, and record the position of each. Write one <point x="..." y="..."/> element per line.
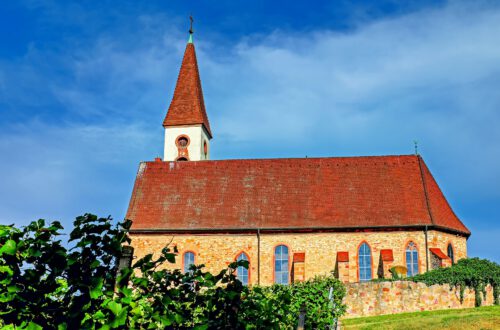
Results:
<point x="319" y="250"/>
<point x="379" y="298"/>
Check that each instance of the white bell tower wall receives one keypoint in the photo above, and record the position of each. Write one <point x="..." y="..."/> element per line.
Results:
<point x="189" y="143"/>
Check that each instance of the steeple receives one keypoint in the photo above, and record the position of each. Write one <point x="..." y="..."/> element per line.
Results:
<point x="187" y="111"/>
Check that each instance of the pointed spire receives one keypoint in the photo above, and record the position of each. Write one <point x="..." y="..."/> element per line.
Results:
<point x="187" y="106"/>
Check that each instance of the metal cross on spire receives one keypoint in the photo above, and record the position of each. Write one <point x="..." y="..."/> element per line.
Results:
<point x="191" y="26"/>
<point x="191" y="31"/>
<point x="416" y="147"/>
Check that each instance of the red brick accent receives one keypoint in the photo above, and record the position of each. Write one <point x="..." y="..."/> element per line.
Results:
<point x="352" y="192"/>
<point x="187" y="106"/>
<point x="438" y="253"/>
<point x="387" y="255"/>
<point x="299" y="257"/>
<point x="343" y="256"/>
<point x="299" y="269"/>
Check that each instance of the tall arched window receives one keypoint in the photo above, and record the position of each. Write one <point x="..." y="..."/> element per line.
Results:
<point x="365" y="262"/>
<point x="242" y="272"/>
<point x="450" y="253"/>
<point x="411" y="259"/>
<point x="281" y="264"/>
<point x="188" y="261"/>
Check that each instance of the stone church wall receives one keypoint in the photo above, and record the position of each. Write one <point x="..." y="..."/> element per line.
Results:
<point x="379" y="298"/>
<point x="320" y="250"/>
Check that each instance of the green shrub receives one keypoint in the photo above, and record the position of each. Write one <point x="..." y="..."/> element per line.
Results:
<point x="279" y="305"/>
<point x="45" y="284"/>
<point x="314" y="294"/>
<point x="473" y="273"/>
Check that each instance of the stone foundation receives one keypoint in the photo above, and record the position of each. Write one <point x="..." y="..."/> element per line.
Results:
<point x="379" y="298"/>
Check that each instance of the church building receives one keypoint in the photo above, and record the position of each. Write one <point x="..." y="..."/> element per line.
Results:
<point x="291" y="218"/>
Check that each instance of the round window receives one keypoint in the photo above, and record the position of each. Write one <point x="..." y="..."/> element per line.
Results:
<point x="182" y="141"/>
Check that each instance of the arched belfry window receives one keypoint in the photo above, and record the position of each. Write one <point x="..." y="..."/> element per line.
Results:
<point x="188" y="261"/>
<point x="242" y="272"/>
<point x="365" y="262"/>
<point x="182" y="142"/>
<point x="281" y="264"/>
<point x="450" y="253"/>
<point x="411" y="259"/>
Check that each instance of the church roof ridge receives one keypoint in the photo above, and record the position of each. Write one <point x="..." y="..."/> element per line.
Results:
<point x="371" y="157"/>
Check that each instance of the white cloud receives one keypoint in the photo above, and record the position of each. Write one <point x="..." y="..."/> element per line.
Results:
<point x="60" y="172"/>
<point x="430" y="75"/>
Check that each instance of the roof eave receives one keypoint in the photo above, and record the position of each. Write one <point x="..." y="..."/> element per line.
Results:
<point x="296" y="229"/>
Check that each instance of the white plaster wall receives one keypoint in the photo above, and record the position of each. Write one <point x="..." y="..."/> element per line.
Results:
<point x="196" y="134"/>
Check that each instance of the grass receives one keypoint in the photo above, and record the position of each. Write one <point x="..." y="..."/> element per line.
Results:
<point x="487" y="317"/>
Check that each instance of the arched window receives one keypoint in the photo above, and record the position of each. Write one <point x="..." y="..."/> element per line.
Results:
<point x="411" y="259"/>
<point x="450" y="253"/>
<point x="188" y="261"/>
<point x="182" y="142"/>
<point x="242" y="272"/>
<point x="281" y="264"/>
<point x="365" y="262"/>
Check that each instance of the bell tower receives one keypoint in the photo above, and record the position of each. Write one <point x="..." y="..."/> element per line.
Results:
<point x="187" y="130"/>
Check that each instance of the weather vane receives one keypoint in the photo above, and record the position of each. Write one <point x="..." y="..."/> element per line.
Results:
<point x="191" y="27"/>
<point x="416" y="146"/>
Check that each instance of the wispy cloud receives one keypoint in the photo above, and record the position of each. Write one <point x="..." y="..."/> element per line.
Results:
<point x="93" y="111"/>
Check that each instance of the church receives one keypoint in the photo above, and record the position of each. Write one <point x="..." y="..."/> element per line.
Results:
<point x="290" y="218"/>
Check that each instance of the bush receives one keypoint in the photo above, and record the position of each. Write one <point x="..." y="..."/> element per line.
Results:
<point x="279" y="305"/>
<point x="47" y="285"/>
<point x="314" y="296"/>
<point x="473" y="273"/>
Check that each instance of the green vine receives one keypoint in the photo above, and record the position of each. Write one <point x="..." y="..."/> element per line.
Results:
<point x="473" y="273"/>
<point x="46" y="283"/>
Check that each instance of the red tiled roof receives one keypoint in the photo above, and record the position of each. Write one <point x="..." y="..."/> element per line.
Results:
<point x="292" y="194"/>
<point x="438" y="253"/>
<point x="342" y="256"/>
<point x="386" y="255"/>
<point x="299" y="257"/>
<point x="187" y="106"/>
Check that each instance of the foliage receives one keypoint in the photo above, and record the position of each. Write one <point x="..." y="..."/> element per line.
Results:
<point x="268" y="308"/>
<point x="314" y="295"/>
<point x="46" y="285"/>
<point x="280" y="304"/>
<point x="473" y="273"/>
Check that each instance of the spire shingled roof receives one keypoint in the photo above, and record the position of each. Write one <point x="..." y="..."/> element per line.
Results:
<point x="187" y="106"/>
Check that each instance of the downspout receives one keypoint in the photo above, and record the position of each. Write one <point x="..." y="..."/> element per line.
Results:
<point x="426" y="251"/>
<point x="258" y="256"/>
<point x="426" y="195"/>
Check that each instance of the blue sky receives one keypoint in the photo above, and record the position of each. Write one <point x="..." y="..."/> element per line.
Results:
<point x="84" y="88"/>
